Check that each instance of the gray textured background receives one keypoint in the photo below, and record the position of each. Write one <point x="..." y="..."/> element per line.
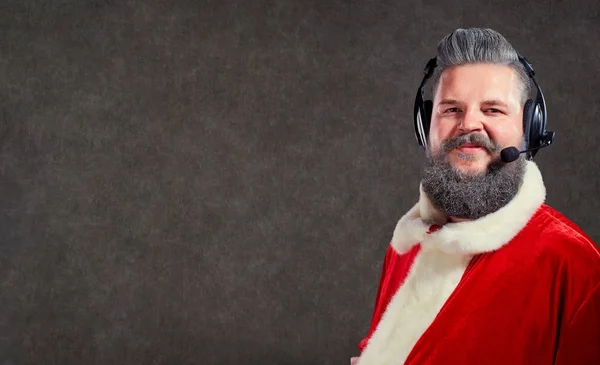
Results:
<point x="194" y="182"/>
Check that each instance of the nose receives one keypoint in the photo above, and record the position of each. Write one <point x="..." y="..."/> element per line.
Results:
<point x="471" y="122"/>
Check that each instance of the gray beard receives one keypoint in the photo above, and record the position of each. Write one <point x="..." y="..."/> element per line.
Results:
<point x="468" y="196"/>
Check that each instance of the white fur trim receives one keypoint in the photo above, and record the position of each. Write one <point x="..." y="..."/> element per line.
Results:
<point x="432" y="279"/>
<point x="485" y="234"/>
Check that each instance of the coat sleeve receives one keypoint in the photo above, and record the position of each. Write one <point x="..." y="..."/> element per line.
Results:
<point x="579" y="343"/>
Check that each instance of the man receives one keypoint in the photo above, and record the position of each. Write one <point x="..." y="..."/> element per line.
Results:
<point x="481" y="270"/>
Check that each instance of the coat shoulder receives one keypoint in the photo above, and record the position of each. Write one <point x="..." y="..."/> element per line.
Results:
<point x="564" y="243"/>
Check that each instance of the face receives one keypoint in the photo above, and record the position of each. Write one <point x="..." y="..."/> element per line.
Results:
<point x="481" y="99"/>
<point x="476" y="113"/>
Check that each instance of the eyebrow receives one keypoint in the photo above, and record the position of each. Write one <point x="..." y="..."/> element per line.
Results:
<point x="487" y="102"/>
<point x="448" y="102"/>
<point x="495" y="102"/>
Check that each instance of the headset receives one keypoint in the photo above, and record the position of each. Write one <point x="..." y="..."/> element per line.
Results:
<point x="534" y="114"/>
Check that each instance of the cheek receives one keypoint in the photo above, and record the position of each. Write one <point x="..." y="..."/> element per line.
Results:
<point x="439" y="132"/>
<point x="506" y="134"/>
<point x="436" y="136"/>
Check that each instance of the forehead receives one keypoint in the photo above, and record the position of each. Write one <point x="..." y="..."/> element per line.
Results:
<point x="477" y="82"/>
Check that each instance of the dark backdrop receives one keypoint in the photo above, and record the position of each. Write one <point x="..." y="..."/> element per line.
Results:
<point x="194" y="182"/>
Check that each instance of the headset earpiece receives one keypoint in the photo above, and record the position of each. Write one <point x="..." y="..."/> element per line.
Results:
<point x="422" y="119"/>
<point x="428" y="108"/>
<point x="534" y="116"/>
<point x="528" y="109"/>
<point x="423" y="108"/>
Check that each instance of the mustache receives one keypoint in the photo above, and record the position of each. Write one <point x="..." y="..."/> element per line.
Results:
<point x="473" y="138"/>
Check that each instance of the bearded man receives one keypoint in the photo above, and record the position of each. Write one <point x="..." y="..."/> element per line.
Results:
<point x="481" y="270"/>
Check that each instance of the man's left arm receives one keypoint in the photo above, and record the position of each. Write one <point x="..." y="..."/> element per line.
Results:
<point x="579" y="344"/>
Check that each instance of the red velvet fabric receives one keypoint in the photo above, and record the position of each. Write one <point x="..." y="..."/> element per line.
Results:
<point x="534" y="301"/>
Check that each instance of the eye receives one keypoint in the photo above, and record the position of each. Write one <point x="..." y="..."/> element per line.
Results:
<point x="494" y="111"/>
<point x="451" y="110"/>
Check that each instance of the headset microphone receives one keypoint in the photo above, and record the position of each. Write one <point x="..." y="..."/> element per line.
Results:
<point x="510" y="154"/>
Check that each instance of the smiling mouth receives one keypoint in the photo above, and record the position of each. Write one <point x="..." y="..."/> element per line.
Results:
<point x="471" y="148"/>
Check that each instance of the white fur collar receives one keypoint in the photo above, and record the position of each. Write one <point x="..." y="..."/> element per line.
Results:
<point x="485" y="234"/>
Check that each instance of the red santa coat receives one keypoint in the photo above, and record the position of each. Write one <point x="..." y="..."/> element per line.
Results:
<point x="518" y="286"/>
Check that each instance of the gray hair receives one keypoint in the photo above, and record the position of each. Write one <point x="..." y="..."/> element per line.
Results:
<point x="478" y="45"/>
